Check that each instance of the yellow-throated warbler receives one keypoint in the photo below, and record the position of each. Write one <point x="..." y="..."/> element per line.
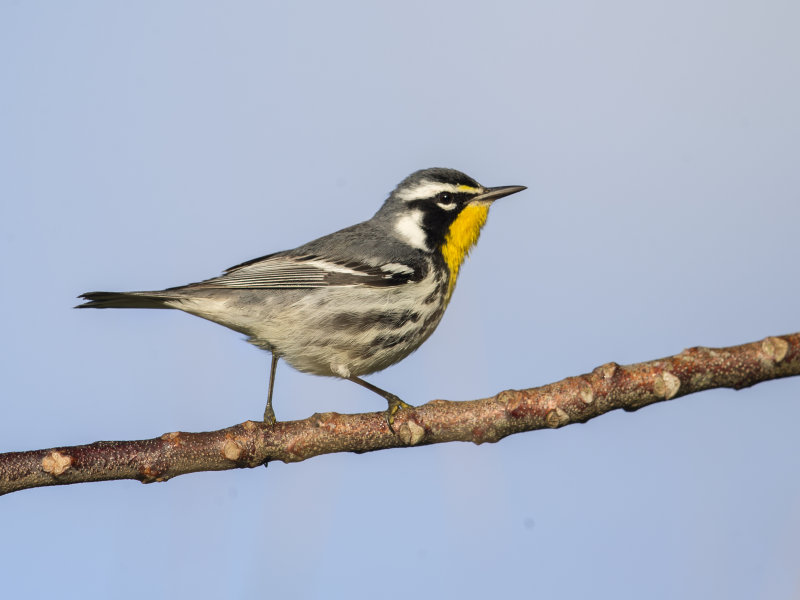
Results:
<point x="352" y="302"/>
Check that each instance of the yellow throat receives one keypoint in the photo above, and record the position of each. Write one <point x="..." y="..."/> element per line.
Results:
<point x="460" y="239"/>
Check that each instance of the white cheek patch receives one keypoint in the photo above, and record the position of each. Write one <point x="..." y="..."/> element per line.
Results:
<point x="409" y="228"/>
<point x="448" y="206"/>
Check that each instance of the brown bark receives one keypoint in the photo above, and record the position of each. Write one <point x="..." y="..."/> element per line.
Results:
<point x="250" y="444"/>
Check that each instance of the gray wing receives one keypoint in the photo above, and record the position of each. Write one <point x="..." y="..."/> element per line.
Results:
<point x="284" y="271"/>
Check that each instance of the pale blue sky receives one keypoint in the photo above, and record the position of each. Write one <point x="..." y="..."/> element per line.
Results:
<point x="144" y="145"/>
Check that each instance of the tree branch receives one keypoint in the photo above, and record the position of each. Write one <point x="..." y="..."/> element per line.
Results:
<point x="572" y="400"/>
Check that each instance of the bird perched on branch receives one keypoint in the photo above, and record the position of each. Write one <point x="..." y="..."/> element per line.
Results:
<point x="353" y="302"/>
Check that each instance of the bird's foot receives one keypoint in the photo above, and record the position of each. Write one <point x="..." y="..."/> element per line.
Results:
<point x="269" y="415"/>
<point x="395" y="404"/>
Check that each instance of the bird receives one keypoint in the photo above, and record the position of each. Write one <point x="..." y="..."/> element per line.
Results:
<point x="355" y="301"/>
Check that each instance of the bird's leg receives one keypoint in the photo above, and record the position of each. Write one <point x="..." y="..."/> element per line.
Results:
<point x="395" y="403"/>
<point x="269" y="414"/>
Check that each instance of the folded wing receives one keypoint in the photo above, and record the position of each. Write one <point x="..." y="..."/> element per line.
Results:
<point x="283" y="271"/>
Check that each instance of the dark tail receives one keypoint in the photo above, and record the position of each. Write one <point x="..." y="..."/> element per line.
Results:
<point x="125" y="300"/>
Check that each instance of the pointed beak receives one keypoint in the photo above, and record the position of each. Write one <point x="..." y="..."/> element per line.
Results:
<point x="492" y="194"/>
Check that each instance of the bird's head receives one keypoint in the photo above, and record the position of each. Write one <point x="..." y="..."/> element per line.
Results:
<point x="441" y="210"/>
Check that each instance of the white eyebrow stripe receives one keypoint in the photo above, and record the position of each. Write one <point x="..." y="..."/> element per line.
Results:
<point x="409" y="227"/>
<point x="428" y="189"/>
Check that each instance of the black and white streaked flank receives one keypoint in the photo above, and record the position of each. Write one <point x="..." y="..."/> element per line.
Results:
<point x="352" y="302"/>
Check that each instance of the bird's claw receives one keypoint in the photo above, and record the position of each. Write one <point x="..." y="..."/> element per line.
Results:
<point x="395" y="404"/>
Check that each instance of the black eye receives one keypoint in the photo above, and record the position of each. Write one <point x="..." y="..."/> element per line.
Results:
<point x="445" y="197"/>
